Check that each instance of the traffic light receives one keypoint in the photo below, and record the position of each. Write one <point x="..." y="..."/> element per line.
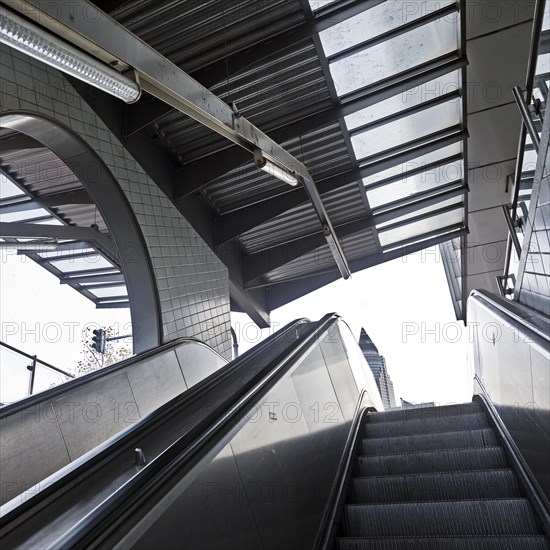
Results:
<point x="98" y="340"/>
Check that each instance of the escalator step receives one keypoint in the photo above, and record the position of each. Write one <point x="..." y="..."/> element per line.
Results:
<point x="482" y="458"/>
<point x="473" y="518"/>
<point x="480" y="484"/>
<point x="424" y="413"/>
<point x="472" y="543"/>
<point x="426" y="442"/>
<point x="416" y="426"/>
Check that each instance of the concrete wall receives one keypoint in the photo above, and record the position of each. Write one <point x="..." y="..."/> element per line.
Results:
<point x="192" y="282"/>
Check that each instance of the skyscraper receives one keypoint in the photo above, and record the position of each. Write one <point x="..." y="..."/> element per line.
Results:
<point x="377" y="365"/>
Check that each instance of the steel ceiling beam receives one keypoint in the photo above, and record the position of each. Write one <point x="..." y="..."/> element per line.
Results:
<point x="233" y="224"/>
<point x="197" y="174"/>
<point x="161" y="78"/>
<point x="261" y="263"/>
<point x="283" y="293"/>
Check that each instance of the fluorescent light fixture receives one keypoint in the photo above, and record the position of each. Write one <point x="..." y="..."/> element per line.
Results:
<point x="30" y="39"/>
<point x="273" y="169"/>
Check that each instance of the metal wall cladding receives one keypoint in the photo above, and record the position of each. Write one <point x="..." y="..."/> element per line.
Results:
<point x="196" y="32"/>
<point x="514" y="365"/>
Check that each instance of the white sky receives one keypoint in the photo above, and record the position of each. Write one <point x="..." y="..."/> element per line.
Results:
<point x="43" y="317"/>
<point x="398" y="303"/>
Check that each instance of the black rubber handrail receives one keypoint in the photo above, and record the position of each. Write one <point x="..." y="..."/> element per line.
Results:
<point x="327" y="533"/>
<point x="530" y="485"/>
<point x="515" y="312"/>
<point x="154" y="420"/>
<point x="147" y="487"/>
<point x="56" y="391"/>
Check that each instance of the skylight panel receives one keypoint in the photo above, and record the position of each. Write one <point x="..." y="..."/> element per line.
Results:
<point x="408" y="50"/>
<point x="408" y="186"/>
<point x="421" y="227"/>
<point x="376" y="21"/>
<point x="404" y="130"/>
<point x="413" y="164"/>
<point x="410" y="96"/>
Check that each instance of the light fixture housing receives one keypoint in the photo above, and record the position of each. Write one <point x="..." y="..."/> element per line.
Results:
<point x="273" y="169"/>
<point x="30" y="39"/>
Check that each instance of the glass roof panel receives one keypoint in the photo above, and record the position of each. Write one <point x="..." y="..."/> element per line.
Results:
<point x="391" y="57"/>
<point x="8" y="189"/>
<point x="118" y="291"/>
<point x="375" y="21"/>
<point x="23" y="215"/>
<point x="319" y="4"/>
<point x="421" y="211"/>
<point x="94" y="261"/>
<point x="409" y="97"/>
<point x="420" y="227"/>
<point x="400" y="169"/>
<point x="409" y="186"/>
<point x="66" y="252"/>
<point x="49" y="221"/>
<point x="406" y="129"/>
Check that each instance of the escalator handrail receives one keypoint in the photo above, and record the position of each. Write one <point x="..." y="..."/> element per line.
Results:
<point x="514" y="312"/>
<point x="530" y="485"/>
<point x="327" y="531"/>
<point x="155" y="477"/>
<point x="80" y="466"/>
<point x="74" y="383"/>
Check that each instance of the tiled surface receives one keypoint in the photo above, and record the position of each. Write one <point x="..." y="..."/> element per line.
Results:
<point x="534" y="286"/>
<point x="193" y="283"/>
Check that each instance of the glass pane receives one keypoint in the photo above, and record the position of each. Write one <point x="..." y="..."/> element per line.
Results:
<point x="94" y="261"/>
<point x="422" y="211"/>
<point x="375" y="21"/>
<point x="8" y="189"/>
<point x="23" y="215"/>
<point x="318" y="4"/>
<point x="409" y="186"/>
<point x="409" y="97"/>
<point x="420" y="227"/>
<point x="399" y="132"/>
<point x="66" y="252"/>
<point x="400" y="169"/>
<point x="389" y="58"/>
<point x="14" y="376"/>
<point x="109" y="291"/>
<point x="45" y="378"/>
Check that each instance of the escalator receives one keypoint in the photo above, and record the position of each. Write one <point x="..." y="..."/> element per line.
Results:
<point x="435" y="478"/>
<point x="288" y="447"/>
<point x="45" y="431"/>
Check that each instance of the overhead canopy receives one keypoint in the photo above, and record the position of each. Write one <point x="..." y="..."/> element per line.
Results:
<point x="367" y="94"/>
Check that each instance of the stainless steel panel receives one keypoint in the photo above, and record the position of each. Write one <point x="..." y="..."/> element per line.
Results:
<point x="514" y="366"/>
<point x="156" y="381"/>
<point x="95" y="411"/>
<point x="340" y="372"/>
<point x="274" y="454"/>
<point x="24" y="463"/>
<point x="212" y="514"/>
<point x="91" y="415"/>
<point x="197" y="362"/>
